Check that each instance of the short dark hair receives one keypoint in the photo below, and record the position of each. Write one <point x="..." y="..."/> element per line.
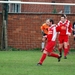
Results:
<point x="51" y="20"/>
<point x="63" y="15"/>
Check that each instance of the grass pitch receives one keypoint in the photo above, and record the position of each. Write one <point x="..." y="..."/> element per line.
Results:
<point x="24" y="63"/>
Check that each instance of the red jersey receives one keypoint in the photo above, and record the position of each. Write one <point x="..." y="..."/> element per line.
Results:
<point x="64" y="28"/>
<point x="51" y="36"/>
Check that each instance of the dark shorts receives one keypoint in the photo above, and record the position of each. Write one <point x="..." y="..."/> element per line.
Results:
<point x="44" y="34"/>
<point x="73" y="32"/>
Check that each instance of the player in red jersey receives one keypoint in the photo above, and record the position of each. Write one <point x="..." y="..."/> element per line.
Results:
<point x="51" y="37"/>
<point x="64" y="29"/>
<point x="44" y="30"/>
<point x="69" y="31"/>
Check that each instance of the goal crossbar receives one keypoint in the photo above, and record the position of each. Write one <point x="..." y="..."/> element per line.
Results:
<point x="43" y="3"/>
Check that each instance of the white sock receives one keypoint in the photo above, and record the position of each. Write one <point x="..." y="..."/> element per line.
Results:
<point x="42" y="45"/>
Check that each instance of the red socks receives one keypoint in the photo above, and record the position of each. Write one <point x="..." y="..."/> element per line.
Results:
<point x="68" y="48"/>
<point x="43" y="58"/>
<point x="65" y="51"/>
<point x="60" y="50"/>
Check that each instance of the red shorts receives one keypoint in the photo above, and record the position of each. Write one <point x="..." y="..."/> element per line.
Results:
<point x="49" y="46"/>
<point x="63" y="38"/>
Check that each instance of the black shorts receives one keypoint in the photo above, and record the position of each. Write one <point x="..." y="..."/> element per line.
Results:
<point x="44" y="34"/>
<point x="73" y="32"/>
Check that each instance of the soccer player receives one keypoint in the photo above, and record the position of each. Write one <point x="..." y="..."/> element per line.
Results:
<point x="64" y="29"/>
<point x="69" y="30"/>
<point x="51" y="37"/>
<point x="73" y="28"/>
<point x="44" y="30"/>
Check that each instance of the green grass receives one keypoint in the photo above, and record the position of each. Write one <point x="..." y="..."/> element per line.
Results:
<point x="24" y="63"/>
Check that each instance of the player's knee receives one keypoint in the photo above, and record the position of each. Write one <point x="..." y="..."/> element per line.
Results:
<point x="43" y="39"/>
<point x="45" y="51"/>
<point x="50" y="53"/>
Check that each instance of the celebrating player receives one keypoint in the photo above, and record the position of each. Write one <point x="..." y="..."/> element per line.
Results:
<point x="44" y="30"/>
<point x="64" y="29"/>
<point x="51" y="37"/>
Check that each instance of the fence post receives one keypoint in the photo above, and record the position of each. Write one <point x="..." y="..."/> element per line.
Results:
<point x="4" y="42"/>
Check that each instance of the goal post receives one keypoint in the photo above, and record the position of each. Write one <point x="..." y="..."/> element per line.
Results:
<point x="43" y="3"/>
<point x="4" y="43"/>
<point x="50" y="7"/>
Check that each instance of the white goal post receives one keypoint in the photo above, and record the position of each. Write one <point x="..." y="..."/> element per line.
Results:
<point x="43" y="3"/>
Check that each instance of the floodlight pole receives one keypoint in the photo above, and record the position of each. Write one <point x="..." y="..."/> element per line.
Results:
<point x="4" y="26"/>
